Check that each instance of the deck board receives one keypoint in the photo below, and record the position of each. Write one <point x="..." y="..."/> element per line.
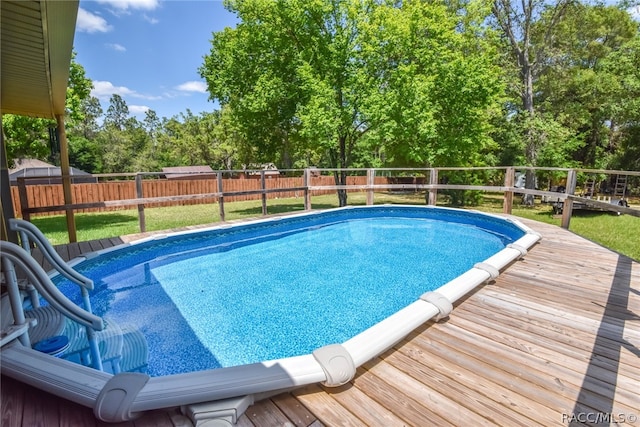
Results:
<point x="12" y="405"/>
<point x="298" y="414"/>
<point x="324" y="406"/>
<point x="556" y="334"/>
<point x="476" y="372"/>
<point x="414" y="410"/>
<point x="437" y="405"/>
<point x="265" y="414"/>
<point x="404" y="358"/>
<point x="483" y="321"/>
<point x="363" y="406"/>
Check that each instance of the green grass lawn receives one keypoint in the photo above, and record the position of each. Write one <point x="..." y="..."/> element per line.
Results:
<point x="617" y="232"/>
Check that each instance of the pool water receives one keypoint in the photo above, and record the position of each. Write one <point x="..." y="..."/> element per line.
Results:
<point x="284" y="288"/>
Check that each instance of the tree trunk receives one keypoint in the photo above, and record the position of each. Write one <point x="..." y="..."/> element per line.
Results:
<point x="286" y="155"/>
<point x="527" y="82"/>
<point x="531" y="143"/>
<point x="341" y="175"/>
<point x="531" y="155"/>
<point x="341" y="179"/>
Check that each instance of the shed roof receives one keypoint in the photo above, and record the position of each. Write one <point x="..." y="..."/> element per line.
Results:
<point x="29" y="168"/>
<point x="188" y="172"/>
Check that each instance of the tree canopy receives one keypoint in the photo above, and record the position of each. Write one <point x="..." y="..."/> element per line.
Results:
<point x="30" y="137"/>
<point x="382" y="83"/>
<point x="334" y="77"/>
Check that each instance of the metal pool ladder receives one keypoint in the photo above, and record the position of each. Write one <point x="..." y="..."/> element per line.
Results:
<point x="29" y="235"/>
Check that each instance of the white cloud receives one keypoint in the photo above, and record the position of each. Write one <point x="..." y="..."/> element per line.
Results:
<point x="150" y="19"/>
<point x="193" y="86"/>
<point x="138" y="109"/>
<point x="104" y="90"/>
<point x="148" y="97"/>
<point x="635" y="12"/>
<point x="117" y="47"/>
<point x="126" y="5"/>
<point x="89" y="23"/>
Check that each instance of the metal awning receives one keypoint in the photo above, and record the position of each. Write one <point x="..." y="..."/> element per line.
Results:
<point x="36" y="46"/>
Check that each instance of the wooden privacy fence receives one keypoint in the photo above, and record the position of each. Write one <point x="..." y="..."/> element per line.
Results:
<point x="154" y="192"/>
<point x="43" y="196"/>
<point x="43" y="199"/>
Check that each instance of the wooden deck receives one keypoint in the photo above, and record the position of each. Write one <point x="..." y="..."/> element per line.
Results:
<point x="554" y="341"/>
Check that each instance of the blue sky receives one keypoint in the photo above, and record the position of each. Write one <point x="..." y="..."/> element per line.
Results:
<point x="149" y="51"/>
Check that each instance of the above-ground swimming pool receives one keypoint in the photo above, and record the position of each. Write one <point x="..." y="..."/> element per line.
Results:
<point x="273" y="289"/>
<point x="230" y="314"/>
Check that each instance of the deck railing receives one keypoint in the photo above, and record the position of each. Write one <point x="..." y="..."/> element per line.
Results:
<point x="148" y="189"/>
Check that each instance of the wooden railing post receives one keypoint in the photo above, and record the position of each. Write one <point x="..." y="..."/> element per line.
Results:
<point x="221" y="198"/>
<point x="433" y="193"/>
<point x="24" y="199"/>
<point x="371" y="179"/>
<point x="307" y="194"/>
<point x="7" y="202"/>
<point x="509" y="180"/>
<point x="65" y="170"/>
<point x="263" y="187"/>
<point x="567" y="207"/>
<point x="139" y="195"/>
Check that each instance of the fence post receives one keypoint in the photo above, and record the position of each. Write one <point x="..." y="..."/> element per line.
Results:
<point x="263" y="187"/>
<point x="307" y="194"/>
<point x="567" y="207"/>
<point x="139" y="195"/>
<point x="433" y="193"/>
<point x="24" y="199"/>
<point x="221" y="198"/>
<point x="371" y="178"/>
<point x="509" y="179"/>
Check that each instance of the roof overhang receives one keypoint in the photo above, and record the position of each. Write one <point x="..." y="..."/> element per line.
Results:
<point x="36" y="48"/>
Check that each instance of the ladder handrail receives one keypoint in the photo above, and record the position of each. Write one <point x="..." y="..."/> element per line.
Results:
<point x="46" y="288"/>
<point x="13" y="255"/>
<point x="29" y="231"/>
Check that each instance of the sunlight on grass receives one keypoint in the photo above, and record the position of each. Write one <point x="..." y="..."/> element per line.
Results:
<point x="617" y="232"/>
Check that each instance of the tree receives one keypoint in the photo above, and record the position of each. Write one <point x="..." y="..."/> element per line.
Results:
<point x="90" y="110"/>
<point x="26" y="137"/>
<point x="197" y="140"/>
<point x="84" y="151"/>
<point x="339" y="77"/>
<point x="123" y="140"/>
<point x="78" y="91"/>
<point x="517" y="22"/>
<point x="117" y="113"/>
<point x="151" y="123"/>
<point x="576" y="84"/>
<point x="29" y="136"/>
<point x="625" y="138"/>
<point x="436" y="85"/>
<point x="285" y="66"/>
